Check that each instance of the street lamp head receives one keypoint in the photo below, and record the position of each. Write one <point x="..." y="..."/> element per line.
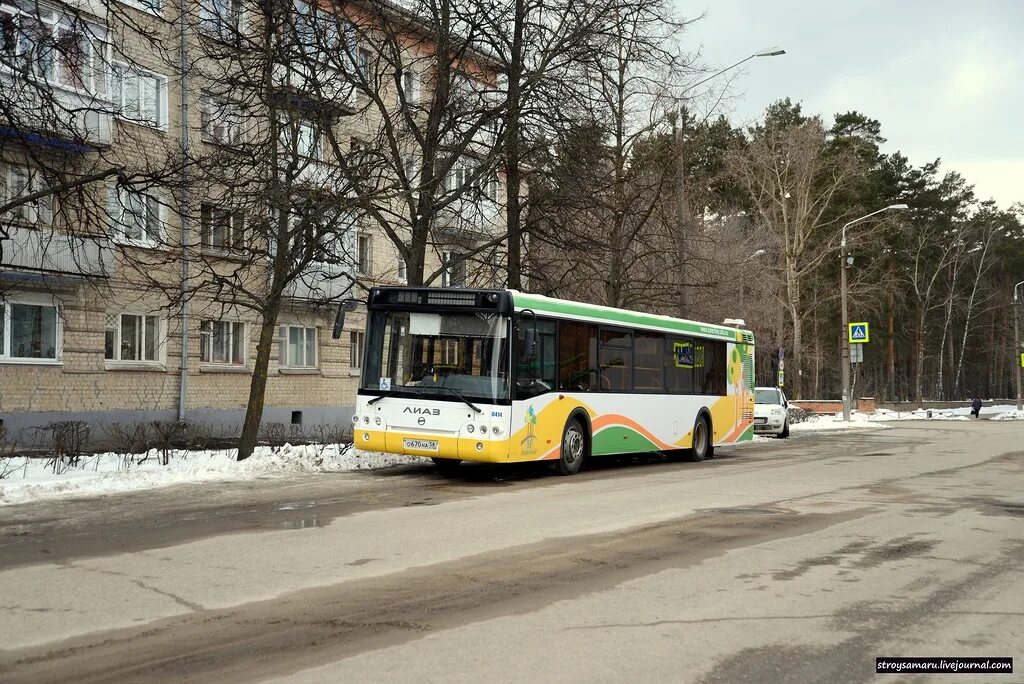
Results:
<point x="770" y="52"/>
<point x="897" y="207"/>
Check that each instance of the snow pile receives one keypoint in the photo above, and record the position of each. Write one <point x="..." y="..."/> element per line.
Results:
<point x="858" y="421"/>
<point x="921" y="414"/>
<point x="1009" y="415"/>
<point x="29" y="479"/>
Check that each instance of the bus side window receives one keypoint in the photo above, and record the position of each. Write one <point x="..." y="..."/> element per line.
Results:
<point x="535" y="372"/>
<point x="577" y="357"/>
<point x="679" y="363"/>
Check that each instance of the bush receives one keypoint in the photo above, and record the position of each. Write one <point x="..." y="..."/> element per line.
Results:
<point x="798" y="415"/>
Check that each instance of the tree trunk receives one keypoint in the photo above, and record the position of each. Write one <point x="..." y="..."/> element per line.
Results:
<point x="258" y="386"/>
<point x="890" y="355"/>
<point x="919" y="358"/>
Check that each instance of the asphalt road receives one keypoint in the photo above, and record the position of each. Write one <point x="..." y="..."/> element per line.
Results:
<point x="797" y="560"/>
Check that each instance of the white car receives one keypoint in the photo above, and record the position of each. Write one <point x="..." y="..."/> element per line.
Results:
<point x="771" y="412"/>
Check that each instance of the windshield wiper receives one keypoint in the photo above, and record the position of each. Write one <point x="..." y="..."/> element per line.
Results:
<point x="466" y="401"/>
<point x="376" y="399"/>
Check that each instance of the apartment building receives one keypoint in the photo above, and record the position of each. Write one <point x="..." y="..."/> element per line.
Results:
<point x="112" y="291"/>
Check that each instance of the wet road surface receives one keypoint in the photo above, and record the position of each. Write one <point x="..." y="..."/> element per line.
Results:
<point x="795" y="560"/>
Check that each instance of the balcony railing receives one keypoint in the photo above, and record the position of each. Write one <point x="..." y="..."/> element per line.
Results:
<point x="54" y="116"/>
<point x="49" y="251"/>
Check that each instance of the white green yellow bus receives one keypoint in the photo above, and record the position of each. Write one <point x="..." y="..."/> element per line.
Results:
<point x="501" y="376"/>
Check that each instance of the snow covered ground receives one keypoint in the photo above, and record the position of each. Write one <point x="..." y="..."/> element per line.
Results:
<point x="30" y="479"/>
<point x="858" y="421"/>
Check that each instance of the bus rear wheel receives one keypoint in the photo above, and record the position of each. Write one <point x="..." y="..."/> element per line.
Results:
<point x="447" y="466"/>
<point x="701" y="447"/>
<point x="574" y="449"/>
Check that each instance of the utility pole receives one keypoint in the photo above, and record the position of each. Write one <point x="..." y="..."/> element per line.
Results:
<point x="682" y="208"/>
<point x="682" y="212"/>
<point x="1016" y="343"/>
<point x="845" y="353"/>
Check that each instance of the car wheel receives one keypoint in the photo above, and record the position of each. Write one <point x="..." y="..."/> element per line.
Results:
<point x="785" y="430"/>
<point x="574" y="449"/>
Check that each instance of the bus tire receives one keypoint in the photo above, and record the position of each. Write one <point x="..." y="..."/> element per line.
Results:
<point x="701" y="446"/>
<point x="574" y="449"/>
<point x="447" y="466"/>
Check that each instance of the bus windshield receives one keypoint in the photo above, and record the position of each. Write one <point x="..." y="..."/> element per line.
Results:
<point x="438" y="355"/>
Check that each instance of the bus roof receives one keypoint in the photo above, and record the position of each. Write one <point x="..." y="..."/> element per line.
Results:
<point x="563" y="308"/>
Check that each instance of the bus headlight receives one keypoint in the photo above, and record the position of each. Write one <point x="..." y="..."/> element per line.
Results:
<point x="470" y="428"/>
<point x="483" y="429"/>
<point x="496" y="430"/>
<point x="366" y="420"/>
<point x="479" y="446"/>
<point x="366" y="436"/>
<point x="355" y="419"/>
<point x="377" y="420"/>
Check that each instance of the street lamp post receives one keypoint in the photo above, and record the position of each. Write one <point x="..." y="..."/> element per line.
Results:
<point x="1016" y="342"/>
<point x="682" y="212"/>
<point x="845" y="347"/>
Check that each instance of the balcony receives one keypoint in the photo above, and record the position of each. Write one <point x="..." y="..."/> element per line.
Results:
<point x="47" y="251"/>
<point x="473" y="219"/>
<point x="301" y="87"/>
<point x="53" y="116"/>
<point x="322" y="282"/>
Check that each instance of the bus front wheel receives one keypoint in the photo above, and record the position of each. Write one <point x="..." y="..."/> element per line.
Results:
<point x="701" y="447"/>
<point x="574" y="449"/>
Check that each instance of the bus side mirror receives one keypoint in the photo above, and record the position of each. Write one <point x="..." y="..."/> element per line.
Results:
<point x="530" y="344"/>
<point x="344" y="307"/>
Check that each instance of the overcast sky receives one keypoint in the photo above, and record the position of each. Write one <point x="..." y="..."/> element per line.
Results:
<point x="944" y="77"/>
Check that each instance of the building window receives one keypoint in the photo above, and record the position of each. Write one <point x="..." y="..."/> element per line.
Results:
<point x="132" y="337"/>
<point x="460" y="177"/>
<point x="296" y="347"/>
<point x="491" y="188"/>
<point x="139" y="95"/>
<point x="134" y="216"/>
<point x="221" y="121"/>
<point x="19" y="181"/>
<point x="454" y="273"/>
<point x="221" y="18"/>
<point x="222" y="343"/>
<point x="220" y="228"/>
<point x="50" y="45"/>
<point x="411" y="87"/>
<point x="28" y="331"/>
<point x="364" y="254"/>
<point x="364" y="65"/>
<point x="403" y="270"/>
<point x="300" y="137"/>
<point x="355" y="349"/>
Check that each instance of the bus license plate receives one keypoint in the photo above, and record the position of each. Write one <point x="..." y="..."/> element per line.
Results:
<point x="421" y="444"/>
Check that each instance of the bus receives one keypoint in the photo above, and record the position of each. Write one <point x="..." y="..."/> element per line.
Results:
<point x="502" y="376"/>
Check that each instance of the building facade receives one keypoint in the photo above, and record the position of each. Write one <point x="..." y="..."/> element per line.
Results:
<point x="131" y="294"/>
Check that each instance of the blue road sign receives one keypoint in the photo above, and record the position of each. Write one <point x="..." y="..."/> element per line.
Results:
<point x="859" y="333"/>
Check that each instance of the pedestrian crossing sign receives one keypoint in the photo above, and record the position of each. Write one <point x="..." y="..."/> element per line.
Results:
<point x="859" y="333"/>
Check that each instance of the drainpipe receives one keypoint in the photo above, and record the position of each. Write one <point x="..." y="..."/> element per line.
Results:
<point x="183" y="207"/>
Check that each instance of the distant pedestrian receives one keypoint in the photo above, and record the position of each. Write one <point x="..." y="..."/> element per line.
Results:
<point x="976" y="407"/>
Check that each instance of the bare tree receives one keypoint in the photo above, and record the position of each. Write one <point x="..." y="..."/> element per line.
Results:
<point x="793" y="184"/>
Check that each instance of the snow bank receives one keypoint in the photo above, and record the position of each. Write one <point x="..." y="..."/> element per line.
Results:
<point x="30" y="479"/>
<point x="858" y="421"/>
<point x="922" y="414"/>
<point x="1009" y="415"/>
